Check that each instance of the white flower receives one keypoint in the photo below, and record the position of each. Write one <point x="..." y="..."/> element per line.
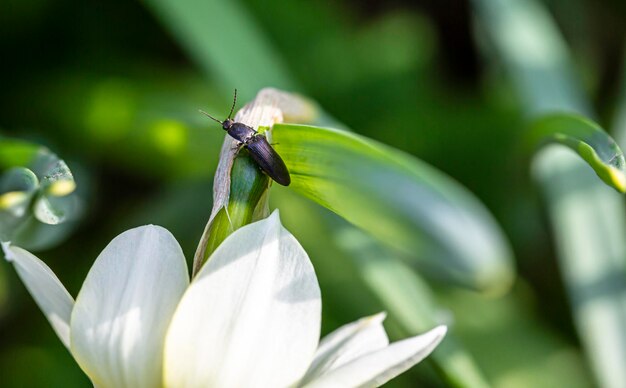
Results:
<point x="251" y="318"/>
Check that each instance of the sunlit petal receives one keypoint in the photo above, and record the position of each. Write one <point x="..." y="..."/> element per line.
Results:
<point x="377" y="368"/>
<point x="251" y="318"/>
<point x="50" y="295"/>
<point x="124" y="307"/>
<point x="347" y="343"/>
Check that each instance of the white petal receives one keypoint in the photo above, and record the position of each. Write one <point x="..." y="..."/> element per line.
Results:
<point x="347" y="343"/>
<point x="375" y="369"/>
<point x="251" y="318"/>
<point x="125" y="306"/>
<point x="47" y="290"/>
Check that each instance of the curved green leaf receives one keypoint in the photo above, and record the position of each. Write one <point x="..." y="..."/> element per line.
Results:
<point x="587" y="139"/>
<point x="400" y="200"/>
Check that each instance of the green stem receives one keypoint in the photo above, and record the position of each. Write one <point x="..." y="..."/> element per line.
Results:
<point x="247" y="203"/>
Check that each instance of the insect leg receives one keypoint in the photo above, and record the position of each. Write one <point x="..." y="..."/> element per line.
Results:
<point x="237" y="147"/>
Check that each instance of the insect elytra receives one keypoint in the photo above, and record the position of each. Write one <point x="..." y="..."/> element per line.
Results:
<point x="257" y="145"/>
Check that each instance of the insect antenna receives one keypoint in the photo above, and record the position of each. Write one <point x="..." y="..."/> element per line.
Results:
<point x="211" y="117"/>
<point x="233" y="107"/>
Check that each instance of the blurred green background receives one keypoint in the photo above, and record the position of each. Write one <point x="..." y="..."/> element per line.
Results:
<point x="113" y="89"/>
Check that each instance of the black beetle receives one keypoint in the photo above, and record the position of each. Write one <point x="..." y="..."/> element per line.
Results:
<point x="258" y="147"/>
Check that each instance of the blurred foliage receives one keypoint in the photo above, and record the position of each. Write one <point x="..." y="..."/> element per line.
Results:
<point x="116" y="86"/>
<point x="36" y="195"/>
<point x="588" y="220"/>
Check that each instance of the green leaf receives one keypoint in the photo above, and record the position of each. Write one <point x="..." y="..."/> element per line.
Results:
<point x="201" y="26"/>
<point x="619" y="118"/>
<point x="401" y="201"/>
<point x="587" y="218"/>
<point x="588" y="140"/>
<point x="16" y="153"/>
<point x="409" y="300"/>
<point x="248" y="193"/>
<point x="511" y="341"/>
